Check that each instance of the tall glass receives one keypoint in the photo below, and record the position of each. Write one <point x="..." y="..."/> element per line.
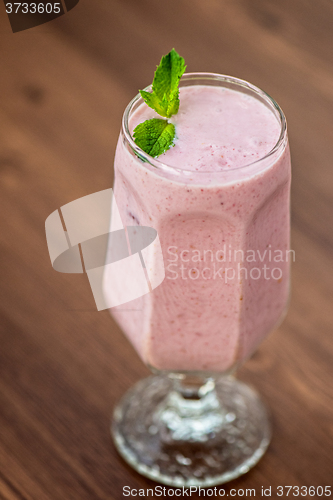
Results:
<point x="225" y="239"/>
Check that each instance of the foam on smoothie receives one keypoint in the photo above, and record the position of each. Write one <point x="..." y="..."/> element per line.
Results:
<point x="216" y="129"/>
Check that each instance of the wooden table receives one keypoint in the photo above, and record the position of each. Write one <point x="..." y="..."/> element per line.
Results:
<point x="63" y="88"/>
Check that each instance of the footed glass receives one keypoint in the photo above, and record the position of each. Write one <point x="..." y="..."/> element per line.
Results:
<point x="192" y="423"/>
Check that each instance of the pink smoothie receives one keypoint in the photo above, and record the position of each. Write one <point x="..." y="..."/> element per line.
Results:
<point x="222" y="218"/>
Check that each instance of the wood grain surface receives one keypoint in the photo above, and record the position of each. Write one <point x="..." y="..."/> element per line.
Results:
<point x="63" y="365"/>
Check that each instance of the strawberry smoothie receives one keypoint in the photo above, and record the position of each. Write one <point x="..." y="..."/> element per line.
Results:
<point x="219" y="200"/>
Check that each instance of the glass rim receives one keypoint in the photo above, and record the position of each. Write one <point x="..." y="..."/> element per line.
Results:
<point x="160" y="165"/>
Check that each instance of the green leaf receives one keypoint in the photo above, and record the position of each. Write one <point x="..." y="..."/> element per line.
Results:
<point x="164" y="98"/>
<point x="154" y="102"/>
<point x="154" y="136"/>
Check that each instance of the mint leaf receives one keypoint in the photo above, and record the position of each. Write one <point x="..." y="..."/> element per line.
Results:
<point x="154" y="136"/>
<point x="154" y="102"/>
<point x="164" y="98"/>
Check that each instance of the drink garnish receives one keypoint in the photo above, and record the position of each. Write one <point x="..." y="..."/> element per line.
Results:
<point x="155" y="136"/>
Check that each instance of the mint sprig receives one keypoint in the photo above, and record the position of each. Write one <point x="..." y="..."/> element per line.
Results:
<point x="156" y="136"/>
<point x="164" y="98"/>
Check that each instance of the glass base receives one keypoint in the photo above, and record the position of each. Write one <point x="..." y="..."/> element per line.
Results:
<point x="179" y="438"/>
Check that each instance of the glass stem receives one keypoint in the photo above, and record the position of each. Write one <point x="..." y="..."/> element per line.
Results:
<point x="191" y="411"/>
<point x="193" y="387"/>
